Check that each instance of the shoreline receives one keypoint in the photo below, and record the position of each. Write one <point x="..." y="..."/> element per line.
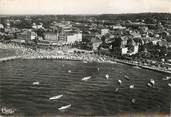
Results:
<point x="58" y="54"/>
<point x="145" y="67"/>
<point x="5" y="59"/>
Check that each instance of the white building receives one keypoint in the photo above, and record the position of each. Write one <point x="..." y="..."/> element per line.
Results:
<point x="35" y="26"/>
<point x="33" y="35"/>
<point x="124" y="51"/>
<point x="1" y="26"/>
<point x="72" y="38"/>
<point x="155" y="41"/>
<point x="8" y="25"/>
<point x="118" y="27"/>
<point x="104" y="31"/>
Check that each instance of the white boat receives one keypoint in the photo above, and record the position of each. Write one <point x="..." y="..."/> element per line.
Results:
<point x="86" y="78"/>
<point x="107" y="76"/>
<point x="56" y="97"/>
<point x="152" y="81"/>
<point x="64" y="107"/>
<point x="7" y="111"/>
<point x="120" y="82"/>
<point x="35" y="83"/>
<point x="166" y="78"/>
<point x="69" y="71"/>
<point x="131" y="86"/>
<point x="169" y="84"/>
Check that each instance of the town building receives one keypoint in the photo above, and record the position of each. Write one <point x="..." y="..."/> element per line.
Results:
<point x="1" y="26"/>
<point x="118" y="27"/>
<point x="96" y="43"/>
<point x="51" y="37"/>
<point x="104" y="31"/>
<point x="132" y="46"/>
<point x="26" y="36"/>
<point x="119" y="46"/>
<point x="123" y="50"/>
<point x="37" y="26"/>
<point x="72" y="38"/>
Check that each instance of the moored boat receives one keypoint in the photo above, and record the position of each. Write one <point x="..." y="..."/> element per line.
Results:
<point x="56" y="97"/>
<point x="86" y="78"/>
<point x="36" y="83"/>
<point x="107" y="76"/>
<point x="64" y="107"/>
<point x="7" y="111"/>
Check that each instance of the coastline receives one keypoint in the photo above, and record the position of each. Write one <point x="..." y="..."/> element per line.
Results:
<point x="27" y="53"/>
<point x="77" y="59"/>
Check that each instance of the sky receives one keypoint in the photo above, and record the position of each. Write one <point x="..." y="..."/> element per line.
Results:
<point x="83" y="6"/>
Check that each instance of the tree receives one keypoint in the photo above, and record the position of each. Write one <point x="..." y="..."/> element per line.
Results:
<point x="40" y="32"/>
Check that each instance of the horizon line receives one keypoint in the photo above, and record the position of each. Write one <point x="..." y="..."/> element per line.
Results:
<point x="34" y="14"/>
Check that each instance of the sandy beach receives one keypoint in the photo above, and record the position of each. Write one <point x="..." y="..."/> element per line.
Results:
<point x="15" y="51"/>
<point x="57" y="53"/>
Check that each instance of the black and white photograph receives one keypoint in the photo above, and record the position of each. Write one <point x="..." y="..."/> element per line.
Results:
<point x="85" y="58"/>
